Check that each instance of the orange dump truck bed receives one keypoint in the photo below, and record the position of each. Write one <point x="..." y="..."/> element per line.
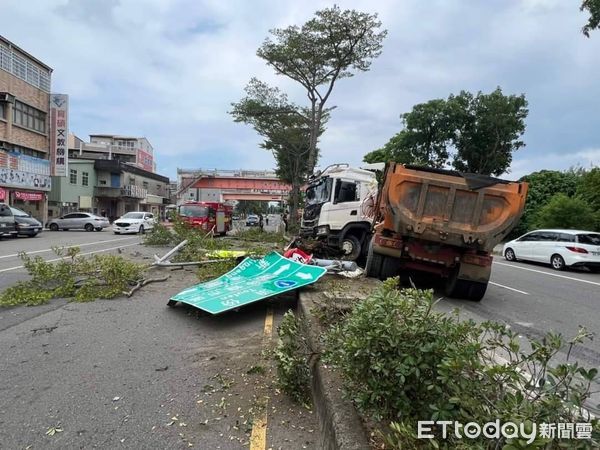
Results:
<point x="446" y="207"/>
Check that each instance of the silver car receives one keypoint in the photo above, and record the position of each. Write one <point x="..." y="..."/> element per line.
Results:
<point x="79" y="220"/>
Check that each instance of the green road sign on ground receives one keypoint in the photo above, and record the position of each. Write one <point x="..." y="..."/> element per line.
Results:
<point x="250" y="281"/>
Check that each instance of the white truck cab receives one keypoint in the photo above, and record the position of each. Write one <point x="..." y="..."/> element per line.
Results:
<point x="337" y="206"/>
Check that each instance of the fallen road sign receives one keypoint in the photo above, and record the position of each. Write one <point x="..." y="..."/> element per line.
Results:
<point x="250" y="281"/>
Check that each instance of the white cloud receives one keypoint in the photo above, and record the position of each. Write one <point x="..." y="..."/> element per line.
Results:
<point x="170" y="69"/>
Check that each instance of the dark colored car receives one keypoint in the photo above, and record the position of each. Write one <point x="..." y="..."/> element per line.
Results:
<point x="252" y="220"/>
<point x="25" y="224"/>
<point x="22" y="223"/>
<point x="7" y="221"/>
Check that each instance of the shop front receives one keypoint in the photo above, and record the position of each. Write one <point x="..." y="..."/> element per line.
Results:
<point x="33" y="203"/>
<point x="25" y="183"/>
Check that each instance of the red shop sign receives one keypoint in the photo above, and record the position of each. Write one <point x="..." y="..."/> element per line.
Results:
<point x="31" y="196"/>
<point x="2" y="194"/>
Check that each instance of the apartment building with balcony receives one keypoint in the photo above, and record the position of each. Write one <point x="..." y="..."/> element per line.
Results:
<point x="136" y="151"/>
<point x="24" y="130"/>
<point x="123" y="187"/>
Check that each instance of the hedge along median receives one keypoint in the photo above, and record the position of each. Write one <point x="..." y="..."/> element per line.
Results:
<point x="400" y="362"/>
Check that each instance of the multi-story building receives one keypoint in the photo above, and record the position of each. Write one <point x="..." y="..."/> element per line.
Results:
<point x="123" y="187"/>
<point x="24" y="130"/>
<point x="109" y="188"/>
<point x="74" y="192"/>
<point x="134" y="150"/>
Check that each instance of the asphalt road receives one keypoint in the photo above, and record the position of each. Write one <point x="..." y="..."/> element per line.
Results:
<point x="11" y="269"/>
<point x="534" y="299"/>
<point x="134" y="373"/>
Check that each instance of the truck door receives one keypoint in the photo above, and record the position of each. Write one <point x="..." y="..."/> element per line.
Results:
<point x="346" y="204"/>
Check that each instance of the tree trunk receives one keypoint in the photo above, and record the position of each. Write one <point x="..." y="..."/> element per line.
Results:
<point x="315" y="126"/>
<point x="294" y="200"/>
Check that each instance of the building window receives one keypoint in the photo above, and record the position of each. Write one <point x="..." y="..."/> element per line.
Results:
<point x="73" y="176"/>
<point x="103" y="182"/>
<point x="2" y="111"/>
<point x="23" y="68"/>
<point x="84" y="178"/>
<point x="29" y="117"/>
<point x="145" y="185"/>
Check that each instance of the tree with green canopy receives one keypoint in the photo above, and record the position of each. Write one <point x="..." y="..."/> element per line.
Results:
<point x="334" y="44"/>
<point x="473" y="133"/>
<point x="286" y="132"/>
<point x="593" y="23"/>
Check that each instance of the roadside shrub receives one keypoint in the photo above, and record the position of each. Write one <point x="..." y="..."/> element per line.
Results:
<point x="401" y="361"/>
<point x="293" y="374"/>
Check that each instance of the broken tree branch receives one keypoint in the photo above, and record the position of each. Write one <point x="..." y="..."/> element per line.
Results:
<point x="143" y="283"/>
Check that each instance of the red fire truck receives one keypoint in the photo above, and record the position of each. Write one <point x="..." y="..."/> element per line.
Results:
<point x="207" y="216"/>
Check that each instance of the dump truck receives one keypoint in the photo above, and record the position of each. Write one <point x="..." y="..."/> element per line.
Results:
<point x="442" y="222"/>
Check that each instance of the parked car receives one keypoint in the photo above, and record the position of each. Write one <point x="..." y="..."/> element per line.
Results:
<point x="252" y="220"/>
<point x="25" y="224"/>
<point x="7" y="222"/>
<point x="134" y="222"/>
<point x="79" y="220"/>
<point x="559" y="248"/>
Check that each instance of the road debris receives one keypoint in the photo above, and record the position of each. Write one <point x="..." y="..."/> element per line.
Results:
<point x="143" y="283"/>
<point x="250" y="281"/>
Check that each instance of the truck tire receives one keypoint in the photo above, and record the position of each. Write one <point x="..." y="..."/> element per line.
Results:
<point x="374" y="262"/>
<point x="466" y="289"/>
<point x="351" y="248"/>
<point x="380" y="266"/>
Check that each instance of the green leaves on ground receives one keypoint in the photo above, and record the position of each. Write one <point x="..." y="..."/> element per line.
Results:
<point x="74" y="277"/>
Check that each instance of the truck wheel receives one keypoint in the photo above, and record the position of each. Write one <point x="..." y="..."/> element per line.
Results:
<point x="374" y="261"/>
<point x="469" y="290"/>
<point x="389" y="268"/>
<point x="351" y="248"/>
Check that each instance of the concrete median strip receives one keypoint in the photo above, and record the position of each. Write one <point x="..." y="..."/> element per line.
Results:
<point x="339" y="423"/>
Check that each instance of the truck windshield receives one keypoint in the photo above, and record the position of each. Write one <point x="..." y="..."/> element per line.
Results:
<point x="319" y="192"/>
<point x="193" y="211"/>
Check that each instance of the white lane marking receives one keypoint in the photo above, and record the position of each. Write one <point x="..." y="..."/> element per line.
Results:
<point x="71" y="246"/>
<point x="81" y="254"/>
<point x="509" y="288"/>
<point x="548" y="273"/>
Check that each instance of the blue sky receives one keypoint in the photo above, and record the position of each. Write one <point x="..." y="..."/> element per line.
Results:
<point x="169" y="70"/>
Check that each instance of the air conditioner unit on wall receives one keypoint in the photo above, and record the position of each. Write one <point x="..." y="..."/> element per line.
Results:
<point x="6" y="97"/>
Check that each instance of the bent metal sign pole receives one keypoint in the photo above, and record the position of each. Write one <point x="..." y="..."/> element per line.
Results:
<point x="252" y="280"/>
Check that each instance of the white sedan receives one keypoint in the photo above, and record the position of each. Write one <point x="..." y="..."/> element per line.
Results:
<point x="134" y="222"/>
<point x="559" y="248"/>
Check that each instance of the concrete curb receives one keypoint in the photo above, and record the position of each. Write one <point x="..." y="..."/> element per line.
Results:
<point x="339" y="424"/>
